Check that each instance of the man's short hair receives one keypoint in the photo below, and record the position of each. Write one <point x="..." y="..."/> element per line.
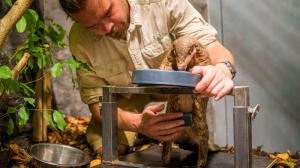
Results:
<point x="72" y="6"/>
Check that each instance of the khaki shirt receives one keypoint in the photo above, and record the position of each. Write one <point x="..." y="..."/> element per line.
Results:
<point x="148" y="41"/>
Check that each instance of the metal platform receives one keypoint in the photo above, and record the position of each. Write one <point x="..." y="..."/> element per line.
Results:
<point x="243" y="115"/>
<point x="151" y="158"/>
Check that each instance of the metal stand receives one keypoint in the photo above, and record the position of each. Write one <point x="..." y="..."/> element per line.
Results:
<point x="243" y="115"/>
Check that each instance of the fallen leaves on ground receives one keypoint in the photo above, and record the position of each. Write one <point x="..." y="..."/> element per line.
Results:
<point x="19" y="155"/>
<point x="284" y="160"/>
<point x="74" y="133"/>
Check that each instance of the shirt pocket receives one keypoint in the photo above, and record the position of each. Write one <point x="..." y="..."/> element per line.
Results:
<point x="155" y="52"/>
<point x="114" y="72"/>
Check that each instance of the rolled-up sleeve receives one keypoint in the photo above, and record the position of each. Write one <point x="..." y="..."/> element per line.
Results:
<point x="90" y="86"/>
<point x="186" y="20"/>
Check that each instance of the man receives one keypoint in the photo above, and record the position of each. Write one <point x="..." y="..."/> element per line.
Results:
<point x="117" y="36"/>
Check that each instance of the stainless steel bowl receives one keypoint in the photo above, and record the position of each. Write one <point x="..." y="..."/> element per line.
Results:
<point x="58" y="155"/>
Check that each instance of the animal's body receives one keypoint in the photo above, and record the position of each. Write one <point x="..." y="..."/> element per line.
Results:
<point x="189" y="52"/>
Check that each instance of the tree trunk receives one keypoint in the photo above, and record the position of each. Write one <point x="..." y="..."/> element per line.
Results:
<point x="11" y="18"/>
<point x="43" y="91"/>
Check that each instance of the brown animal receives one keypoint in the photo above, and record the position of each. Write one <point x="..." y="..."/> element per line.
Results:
<point x="188" y="53"/>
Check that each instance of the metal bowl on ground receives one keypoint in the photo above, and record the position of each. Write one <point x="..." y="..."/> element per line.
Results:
<point x="48" y="155"/>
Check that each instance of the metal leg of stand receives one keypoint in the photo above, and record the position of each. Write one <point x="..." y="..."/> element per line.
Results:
<point x="109" y="127"/>
<point x="242" y="128"/>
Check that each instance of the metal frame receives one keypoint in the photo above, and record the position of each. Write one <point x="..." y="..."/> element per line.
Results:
<point x="241" y="114"/>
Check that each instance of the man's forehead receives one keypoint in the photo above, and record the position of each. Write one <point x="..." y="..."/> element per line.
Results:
<point x="93" y="11"/>
<point x="93" y="6"/>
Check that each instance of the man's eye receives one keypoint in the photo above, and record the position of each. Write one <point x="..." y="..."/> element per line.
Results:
<point x="108" y="14"/>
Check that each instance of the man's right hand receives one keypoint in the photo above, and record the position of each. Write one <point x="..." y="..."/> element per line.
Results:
<point x="162" y="127"/>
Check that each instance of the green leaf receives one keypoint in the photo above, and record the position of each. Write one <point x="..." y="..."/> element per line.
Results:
<point x="24" y="116"/>
<point x="8" y="2"/>
<point x="5" y="72"/>
<point x="56" y="70"/>
<point x="34" y="38"/>
<point x="85" y="66"/>
<point x="26" y="89"/>
<point x="56" y="33"/>
<point x="37" y="49"/>
<point x="34" y="14"/>
<point x="11" y="110"/>
<point x="59" y="120"/>
<point x="72" y="76"/>
<point x="1" y="87"/>
<point x="31" y="63"/>
<point x="10" y="127"/>
<point x="29" y="100"/>
<point x="289" y="163"/>
<point x="12" y="85"/>
<point x="73" y="63"/>
<point x="48" y="118"/>
<point x="19" y="55"/>
<point x="21" y="25"/>
<point x="41" y="61"/>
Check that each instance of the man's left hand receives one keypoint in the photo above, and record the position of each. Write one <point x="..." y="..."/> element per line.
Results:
<point x="216" y="80"/>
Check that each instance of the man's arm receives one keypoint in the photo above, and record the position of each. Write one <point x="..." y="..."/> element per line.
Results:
<point x="126" y="120"/>
<point x="218" y="53"/>
<point x="186" y="20"/>
<point x="160" y="127"/>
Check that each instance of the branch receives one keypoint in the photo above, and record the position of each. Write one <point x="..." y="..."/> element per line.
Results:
<point x="11" y="18"/>
<point x="19" y="67"/>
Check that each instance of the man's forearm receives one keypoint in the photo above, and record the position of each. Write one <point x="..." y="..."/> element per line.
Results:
<point x="126" y="120"/>
<point x="218" y="53"/>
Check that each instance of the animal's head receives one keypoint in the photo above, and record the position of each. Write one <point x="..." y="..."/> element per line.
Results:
<point x="186" y="48"/>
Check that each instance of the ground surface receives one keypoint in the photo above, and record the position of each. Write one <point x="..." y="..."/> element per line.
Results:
<point x="74" y="134"/>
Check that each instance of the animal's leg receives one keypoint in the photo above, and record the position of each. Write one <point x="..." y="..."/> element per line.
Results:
<point x="201" y="129"/>
<point x="166" y="153"/>
<point x="202" y="153"/>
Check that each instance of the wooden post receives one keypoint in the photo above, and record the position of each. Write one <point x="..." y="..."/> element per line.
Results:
<point x="43" y="90"/>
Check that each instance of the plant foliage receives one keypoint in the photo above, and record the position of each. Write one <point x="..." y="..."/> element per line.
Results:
<point x="40" y="42"/>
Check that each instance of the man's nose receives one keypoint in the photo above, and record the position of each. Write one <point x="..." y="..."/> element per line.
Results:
<point x="107" y="26"/>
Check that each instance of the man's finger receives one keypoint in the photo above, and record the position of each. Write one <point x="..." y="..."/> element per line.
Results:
<point x="168" y="117"/>
<point x="212" y="85"/>
<point x="218" y="88"/>
<point x="226" y="90"/>
<point x="205" y="81"/>
<point x="199" y="70"/>
<point x="170" y="124"/>
<point x="155" y="108"/>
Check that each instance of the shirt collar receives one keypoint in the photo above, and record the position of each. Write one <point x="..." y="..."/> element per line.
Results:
<point x="135" y="15"/>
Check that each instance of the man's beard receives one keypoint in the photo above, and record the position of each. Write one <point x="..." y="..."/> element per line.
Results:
<point x="119" y="31"/>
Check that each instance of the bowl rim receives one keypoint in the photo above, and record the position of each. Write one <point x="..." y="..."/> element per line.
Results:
<point x="85" y="162"/>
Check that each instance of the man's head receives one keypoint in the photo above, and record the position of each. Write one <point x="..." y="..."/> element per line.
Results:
<point x="103" y="17"/>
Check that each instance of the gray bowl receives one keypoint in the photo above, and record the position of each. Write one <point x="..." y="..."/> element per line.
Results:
<point x="165" y="77"/>
<point x="58" y="155"/>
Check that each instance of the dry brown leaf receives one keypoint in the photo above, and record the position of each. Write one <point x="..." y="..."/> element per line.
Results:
<point x="144" y="147"/>
<point x="283" y="156"/>
<point x="95" y="162"/>
<point x="272" y="156"/>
